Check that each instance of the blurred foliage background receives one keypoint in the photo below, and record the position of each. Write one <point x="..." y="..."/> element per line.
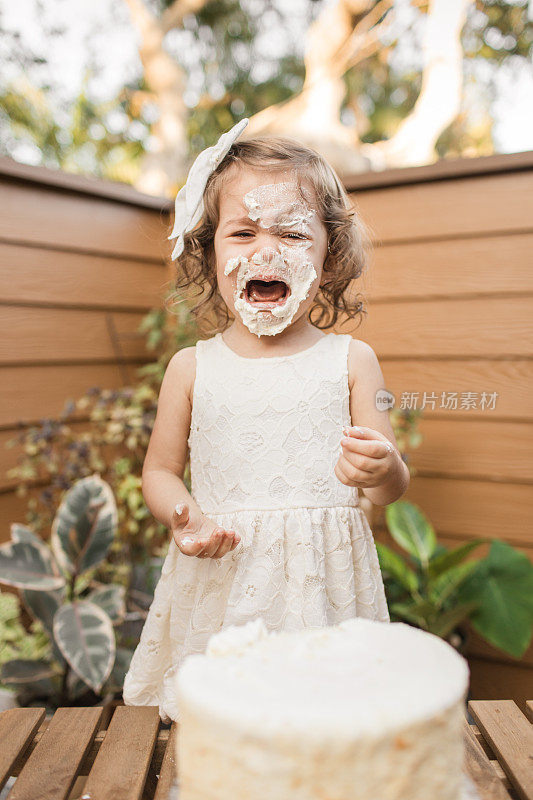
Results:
<point x="204" y="65"/>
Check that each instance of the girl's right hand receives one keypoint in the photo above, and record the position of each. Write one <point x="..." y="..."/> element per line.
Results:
<point x="197" y="535"/>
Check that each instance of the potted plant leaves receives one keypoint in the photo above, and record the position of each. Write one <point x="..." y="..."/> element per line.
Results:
<point x="84" y="663"/>
<point x="436" y="589"/>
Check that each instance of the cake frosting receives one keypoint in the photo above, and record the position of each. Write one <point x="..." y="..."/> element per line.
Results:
<point x="359" y="710"/>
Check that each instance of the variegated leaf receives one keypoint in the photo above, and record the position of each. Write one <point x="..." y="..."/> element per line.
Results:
<point x="27" y="566"/>
<point x="112" y="599"/>
<point x="76" y="687"/>
<point x="43" y="606"/>
<point x="85" y="525"/>
<point x="120" y="667"/>
<point x="30" y="680"/>
<point x="20" y="533"/>
<point x="25" y="671"/>
<point x="85" y="636"/>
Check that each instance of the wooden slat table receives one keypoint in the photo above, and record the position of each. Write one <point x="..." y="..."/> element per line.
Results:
<point x="80" y="755"/>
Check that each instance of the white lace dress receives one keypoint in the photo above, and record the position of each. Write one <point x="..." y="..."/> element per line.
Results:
<point x="264" y="440"/>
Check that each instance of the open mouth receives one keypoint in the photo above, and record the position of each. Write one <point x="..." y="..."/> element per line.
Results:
<point x="266" y="294"/>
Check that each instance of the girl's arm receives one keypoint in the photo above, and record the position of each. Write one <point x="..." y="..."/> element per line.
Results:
<point x="382" y="476"/>
<point x="166" y="457"/>
<point x="162" y="476"/>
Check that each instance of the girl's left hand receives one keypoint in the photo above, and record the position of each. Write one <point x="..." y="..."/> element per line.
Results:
<point x="368" y="458"/>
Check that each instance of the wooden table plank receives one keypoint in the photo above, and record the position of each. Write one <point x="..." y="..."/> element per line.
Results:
<point x="133" y="759"/>
<point x="168" y="767"/>
<point x="88" y="761"/>
<point x="529" y="709"/>
<point x="121" y="766"/>
<point x="510" y="735"/>
<point x="18" y="727"/>
<point x="482" y="742"/>
<point x="52" y="767"/>
<point x="479" y="768"/>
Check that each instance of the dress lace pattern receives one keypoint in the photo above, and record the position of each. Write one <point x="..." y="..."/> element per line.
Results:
<point x="264" y="440"/>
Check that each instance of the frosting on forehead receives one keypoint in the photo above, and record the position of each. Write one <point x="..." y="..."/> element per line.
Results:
<point x="278" y="204"/>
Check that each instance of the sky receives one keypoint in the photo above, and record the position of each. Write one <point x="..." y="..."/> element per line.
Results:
<point x="98" y="35"/>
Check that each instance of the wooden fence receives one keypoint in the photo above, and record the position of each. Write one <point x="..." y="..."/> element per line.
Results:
<point x="450" y="311"/>
<point x="450" y="300"/>
<point x="81" y="262"/>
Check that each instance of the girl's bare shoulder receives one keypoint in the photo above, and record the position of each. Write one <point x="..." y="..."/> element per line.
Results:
<point x="181" y="370"/>
<point x="363" y="364"/>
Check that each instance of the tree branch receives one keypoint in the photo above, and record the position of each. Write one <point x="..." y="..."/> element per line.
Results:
<point x="163" y="166"/>
<point x="440" y="96"/>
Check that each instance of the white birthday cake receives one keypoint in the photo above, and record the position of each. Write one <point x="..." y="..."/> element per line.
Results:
<point x="362" y="710"/>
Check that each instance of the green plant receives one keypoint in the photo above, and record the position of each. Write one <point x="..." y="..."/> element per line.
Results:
<point x="15" y="641"/>
<point x="58" y="452"/>
<point x="436" y="589"/>
<point x="57" y="588"/>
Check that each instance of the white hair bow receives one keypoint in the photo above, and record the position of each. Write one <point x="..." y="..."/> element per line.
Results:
<point x="189" y="205"/>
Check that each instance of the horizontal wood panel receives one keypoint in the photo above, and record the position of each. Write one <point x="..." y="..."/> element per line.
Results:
<point x="510" y="380"/>
<point x="483" y="265"/>
<point x="50" y="217"/>
<point x="116" y="190"/>
<point x="474" y="509"/>
<point x="477" y="327"/>
<point x="33" y="275"/>
<point x="12" y="509"/>
<point x="443" y="169"/>
<point x="475" y="449"/>
<point x="54" y="335"/>
<point x="473" y="205"/>
<point x="28" y="394"/>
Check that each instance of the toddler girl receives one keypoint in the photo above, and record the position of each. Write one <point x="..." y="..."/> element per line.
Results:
<point x="273" y="527"/>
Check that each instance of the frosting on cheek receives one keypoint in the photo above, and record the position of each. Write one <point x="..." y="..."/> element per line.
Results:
<point x="275" y="205"/>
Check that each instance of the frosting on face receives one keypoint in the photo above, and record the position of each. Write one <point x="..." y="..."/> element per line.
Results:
<point x="278" y="203"/>
<point x="277" y="207"/>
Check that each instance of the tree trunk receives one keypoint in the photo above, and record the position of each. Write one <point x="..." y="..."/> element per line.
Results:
<point x="440" y="96"/>
<point x="313" y="116"/>
<point x="164" y="165"/>
<point x="342" y="34"/>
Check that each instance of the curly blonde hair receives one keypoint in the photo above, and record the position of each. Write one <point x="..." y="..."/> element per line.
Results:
<point x="348" y="235"/>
